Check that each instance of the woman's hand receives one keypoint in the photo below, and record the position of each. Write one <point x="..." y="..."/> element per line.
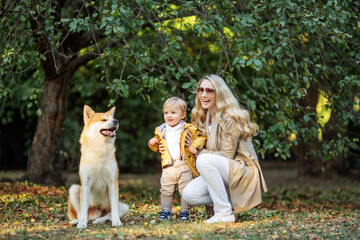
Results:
<point x="188" y="139"/>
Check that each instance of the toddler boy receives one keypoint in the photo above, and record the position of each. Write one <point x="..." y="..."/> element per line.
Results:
<point x="178" y="162"/>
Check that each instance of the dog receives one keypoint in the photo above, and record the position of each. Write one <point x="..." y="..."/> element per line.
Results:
<point x="96" y="199"/>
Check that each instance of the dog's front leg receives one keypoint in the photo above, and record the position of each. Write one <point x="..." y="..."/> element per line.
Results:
<point x="84" y="204"/>
<point x="114" y="202"/>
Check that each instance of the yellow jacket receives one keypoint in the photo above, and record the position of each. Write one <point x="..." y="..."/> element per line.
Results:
<point x="198" y="143"/>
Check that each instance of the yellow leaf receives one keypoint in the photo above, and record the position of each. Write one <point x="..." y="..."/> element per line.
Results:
<point x="275" y="236"/>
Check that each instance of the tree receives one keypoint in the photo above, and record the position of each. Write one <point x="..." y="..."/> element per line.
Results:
<point x="60" y="31"/>
<point x="303" y="50"/>
<point x="278" y="56"/>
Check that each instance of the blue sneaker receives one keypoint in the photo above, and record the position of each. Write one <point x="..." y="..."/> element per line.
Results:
<point x="165" y="215"/>
<point x="184" y="216"/>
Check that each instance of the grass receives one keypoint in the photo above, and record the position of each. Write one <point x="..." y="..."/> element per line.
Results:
<point x="30" y="211"/>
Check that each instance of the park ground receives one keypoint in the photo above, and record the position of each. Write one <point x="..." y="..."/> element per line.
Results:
<point x="293" y="208"/>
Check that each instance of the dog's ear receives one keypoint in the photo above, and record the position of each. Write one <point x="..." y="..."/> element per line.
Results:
<point x="88" y="113"/>
<point x="112" y="111"/>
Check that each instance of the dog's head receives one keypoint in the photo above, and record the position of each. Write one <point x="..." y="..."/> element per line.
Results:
<point x="100" y="124"/>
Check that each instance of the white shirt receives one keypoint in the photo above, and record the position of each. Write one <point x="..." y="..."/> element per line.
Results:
<point x="172" y="135"/>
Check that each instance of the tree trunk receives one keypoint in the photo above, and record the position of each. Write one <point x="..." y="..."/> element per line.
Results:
<point x="60" y="63"/>
<point x="334" y="167"/>
<point x="308" y="164"/>
<point x="44" y="154"/>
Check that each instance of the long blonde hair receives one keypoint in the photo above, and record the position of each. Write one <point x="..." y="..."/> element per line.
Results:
<point x="227" y="105"/>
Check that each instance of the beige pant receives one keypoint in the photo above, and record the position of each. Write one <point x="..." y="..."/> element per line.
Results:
<point x="179" y="174"/>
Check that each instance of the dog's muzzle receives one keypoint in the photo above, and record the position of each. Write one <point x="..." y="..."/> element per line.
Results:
<point x="110" y="132"/>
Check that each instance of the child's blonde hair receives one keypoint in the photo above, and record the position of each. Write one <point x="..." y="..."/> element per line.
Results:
<point x="175" y="100"/>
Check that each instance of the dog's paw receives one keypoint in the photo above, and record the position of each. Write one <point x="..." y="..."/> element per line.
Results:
<point x="74" y="222"/>
<point x="81" y="225"/>
<point x="116" y="223"/>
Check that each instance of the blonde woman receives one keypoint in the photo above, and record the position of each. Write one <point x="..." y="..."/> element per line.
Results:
<point x="230" y="174"/>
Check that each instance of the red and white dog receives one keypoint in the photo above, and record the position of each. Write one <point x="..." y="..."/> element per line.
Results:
<point x="97" y="198"/>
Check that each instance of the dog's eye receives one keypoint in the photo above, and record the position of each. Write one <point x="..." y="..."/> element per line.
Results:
<point x="104" y="120"/>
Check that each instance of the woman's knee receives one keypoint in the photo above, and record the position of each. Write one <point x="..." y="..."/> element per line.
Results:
<point x="202" y="162"/>
<point x="186" y="195"/>
<point x="189" y="195"/>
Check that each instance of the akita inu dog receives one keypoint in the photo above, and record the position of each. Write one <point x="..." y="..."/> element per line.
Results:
<point x="97" y="198"/>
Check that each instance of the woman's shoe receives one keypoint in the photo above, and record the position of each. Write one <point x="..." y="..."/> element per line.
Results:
<point x="223" y="219"/>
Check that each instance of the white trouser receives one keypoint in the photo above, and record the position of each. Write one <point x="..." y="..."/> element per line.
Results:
<point x="210" y="187"/>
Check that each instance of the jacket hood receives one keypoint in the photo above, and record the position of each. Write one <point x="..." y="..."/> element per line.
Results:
<point x="162" y="127"/>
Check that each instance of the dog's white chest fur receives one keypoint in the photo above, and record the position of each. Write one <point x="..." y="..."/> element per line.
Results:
<point x="96" y="168"/>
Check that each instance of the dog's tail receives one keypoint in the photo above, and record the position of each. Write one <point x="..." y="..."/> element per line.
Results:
<point x="123" y="209"/>
<point x="74" y="202"/>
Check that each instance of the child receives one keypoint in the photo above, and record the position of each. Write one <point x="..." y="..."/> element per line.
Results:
<point x="178" y="163"/>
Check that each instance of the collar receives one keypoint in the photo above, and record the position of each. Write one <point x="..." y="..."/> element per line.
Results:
<point x="177" y="127"/>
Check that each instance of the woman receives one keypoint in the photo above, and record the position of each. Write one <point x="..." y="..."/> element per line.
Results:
<point x="230" y="175"/>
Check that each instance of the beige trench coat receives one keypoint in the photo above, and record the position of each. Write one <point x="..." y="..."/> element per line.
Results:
<point x="246" y="181"/>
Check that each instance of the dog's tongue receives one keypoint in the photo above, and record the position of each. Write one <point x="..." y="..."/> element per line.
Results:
<point x="109" y="133"/>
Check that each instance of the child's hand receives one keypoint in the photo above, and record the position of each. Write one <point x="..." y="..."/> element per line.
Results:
<point x="153" y="141"/>
<point x="162" y="148"/>
<point x="192" y="150"/>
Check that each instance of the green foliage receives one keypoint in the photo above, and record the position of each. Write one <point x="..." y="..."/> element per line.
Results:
<point x="289" y="49"/>
<point x="277" y="56"/>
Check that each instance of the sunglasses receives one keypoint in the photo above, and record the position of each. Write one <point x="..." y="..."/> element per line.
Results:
<point x="207" y="90"/>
